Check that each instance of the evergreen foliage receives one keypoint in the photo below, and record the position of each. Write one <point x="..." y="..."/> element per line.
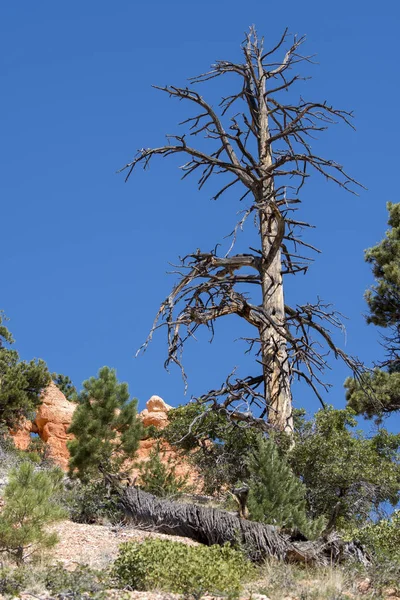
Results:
<point x="377" y="393"/>
<point x="218" y="448"/>
<point x="106" y="428"/>
<point x="383" y="537"/>
<point x="175" y="567"/>
<point x="159" y="477"/>
<point x="384" y="298"/>
<point x="91" y="503"/>
<point x="276" y="495"/>
<point x="20" y="382"/>
<point x="30" y="504"/>
<point x="347" y="475"/>
<point x="64" y="383"/>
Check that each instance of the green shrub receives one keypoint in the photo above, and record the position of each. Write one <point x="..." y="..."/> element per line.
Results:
<point x="346" y="473"/>
<point x="30" y="504"/>
<point x="12" y="582"/>
<point x="176" y="567"/>
<point x="217" y="447"/>
<point x="383" y="537"/>
<point x="83" y="582"/>
<point x="159" y="477"/>
<point x="91" y="503"/>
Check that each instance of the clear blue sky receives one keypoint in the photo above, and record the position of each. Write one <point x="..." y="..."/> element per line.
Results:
<point x="84" y="256"/>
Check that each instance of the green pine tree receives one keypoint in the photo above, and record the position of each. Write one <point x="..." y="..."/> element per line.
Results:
<point x="159" y="477"/>
<point x="216" y="446"/>
<point x="106" y="428"/>
<point x="377" y="393"/>
<point x="276" y="495"/>
<point x="349" y="476"/>
<point x="30" y="505"/>
<point x="64" y="383"/>
<point x="20" y="382"/>
<point x="384" y="297"/>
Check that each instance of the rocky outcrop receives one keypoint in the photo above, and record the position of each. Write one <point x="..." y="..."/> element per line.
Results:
<point x="54" y="416"/>
<point x="155" y="413"/>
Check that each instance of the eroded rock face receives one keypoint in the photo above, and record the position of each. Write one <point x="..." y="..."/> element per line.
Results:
<point x="155" y="413"/>
<point x="54" y="416"/>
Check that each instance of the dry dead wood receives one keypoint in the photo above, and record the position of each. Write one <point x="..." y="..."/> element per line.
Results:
<point x="259" y="146"/>
<point x="213" y="526"/>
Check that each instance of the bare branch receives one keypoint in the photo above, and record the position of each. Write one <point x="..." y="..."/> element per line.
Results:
<point x="264" y="148"/>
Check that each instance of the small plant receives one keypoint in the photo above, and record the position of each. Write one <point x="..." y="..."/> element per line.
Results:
<point x="30" y="505"/>
<point x="159" y="477"/>
<point x="276" y="495"/>
<point x="83" y="582"/>
<point x="38" y="452"/>
<point x="12" y="582"/>
<point x="382" y="538"/>
<point x="178" y="568"/>
<point x="90" y="503"/>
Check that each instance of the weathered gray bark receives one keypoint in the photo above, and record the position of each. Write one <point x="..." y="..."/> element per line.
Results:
<point x="260" y="142"/>
<point x="212" y="526"/>
<point x="274" y="350"/>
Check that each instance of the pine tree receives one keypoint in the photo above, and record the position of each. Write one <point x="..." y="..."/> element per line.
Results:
<point x="384" y="298"/>
<point x="276" y="495"/>
<point x="377" y="393"/>
<point x="64" y="383"/>
<point x="159" y="477"/>
<point x="105" y="426"/>
<point x="349" y="476"/>
<point x="30" y="505"/>
<point x="20" y="382"/>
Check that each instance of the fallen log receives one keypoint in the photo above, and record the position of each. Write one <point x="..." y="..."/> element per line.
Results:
<point x="214" y="526"/>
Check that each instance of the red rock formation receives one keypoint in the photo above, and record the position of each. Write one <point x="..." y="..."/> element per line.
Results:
<point x="22" y="436"/>
<point x="52" y="421"/>
<point x="155" y="413"/>
<point x="54" y="417"/>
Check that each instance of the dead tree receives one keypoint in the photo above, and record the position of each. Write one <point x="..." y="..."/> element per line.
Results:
<point x="262" y="145"/>
<point x="213" y="526"/>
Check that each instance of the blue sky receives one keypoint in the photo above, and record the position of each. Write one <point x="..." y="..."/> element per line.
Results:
<point x="84" y="256"/>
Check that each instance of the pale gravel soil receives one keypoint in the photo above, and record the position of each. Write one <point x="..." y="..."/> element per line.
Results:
<point x="97" y="545"/>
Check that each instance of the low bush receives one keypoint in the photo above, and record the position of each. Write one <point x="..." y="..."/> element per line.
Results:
<point x="82" y="582"/>
<point x="91" y="503"/>
<point x="175" y="567"/>
<point x="158" y="475"/>
<point x="382" y="538"/>
<point x="12" y="582"/>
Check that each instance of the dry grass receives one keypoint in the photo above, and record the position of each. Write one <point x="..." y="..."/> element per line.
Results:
<point x="280" y="581"/>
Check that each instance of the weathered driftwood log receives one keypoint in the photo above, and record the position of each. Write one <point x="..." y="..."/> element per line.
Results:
<point x="212" y="526"/>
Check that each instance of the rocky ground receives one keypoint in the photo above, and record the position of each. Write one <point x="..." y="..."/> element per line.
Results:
<point x="97" y="545"/>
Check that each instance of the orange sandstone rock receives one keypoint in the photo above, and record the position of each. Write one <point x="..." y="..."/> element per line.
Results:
<point x="52" y="420"/>
<point x="54" y="416"/>
<point x="22" y="435"/>
<point x="155" y="413"/>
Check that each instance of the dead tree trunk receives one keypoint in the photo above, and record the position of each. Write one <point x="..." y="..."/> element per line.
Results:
<point x="212" y="526"/>
<point x="274" y="345"/>
<point x="258" y="140"/>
